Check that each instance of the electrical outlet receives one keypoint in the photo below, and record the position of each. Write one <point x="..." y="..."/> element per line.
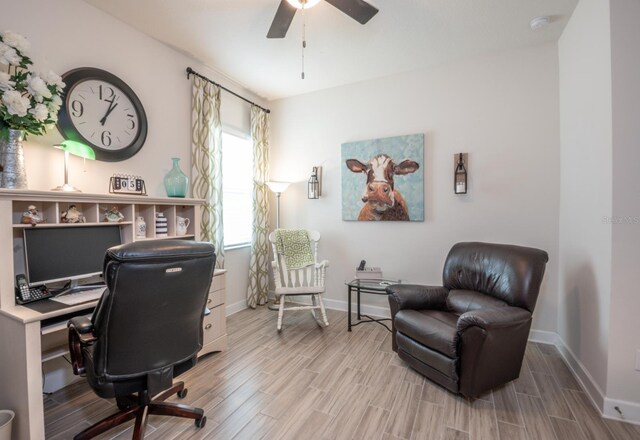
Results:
<point x="638" y="360"/>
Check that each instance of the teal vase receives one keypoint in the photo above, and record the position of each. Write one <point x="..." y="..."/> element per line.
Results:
<point x="176" y="182"/>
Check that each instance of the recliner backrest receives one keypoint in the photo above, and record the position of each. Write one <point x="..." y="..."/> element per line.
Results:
<point x="151" y="315"/>
<point x="510" y="273"/>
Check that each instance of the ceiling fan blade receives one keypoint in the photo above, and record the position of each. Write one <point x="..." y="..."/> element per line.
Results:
<point x="282" y="20"/>
<point x="359" y="10"/>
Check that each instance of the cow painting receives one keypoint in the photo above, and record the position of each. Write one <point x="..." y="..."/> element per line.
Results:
<point x="381" y="200"/>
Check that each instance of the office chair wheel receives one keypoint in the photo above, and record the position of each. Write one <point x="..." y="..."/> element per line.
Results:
<point x="201" y="422"/>
<point x="182" y="393"/>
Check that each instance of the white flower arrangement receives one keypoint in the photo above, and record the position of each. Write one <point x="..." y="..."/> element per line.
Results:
<point x="29" y="100"/>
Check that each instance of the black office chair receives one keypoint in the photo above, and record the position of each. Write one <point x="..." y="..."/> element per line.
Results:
<point x="146" y="330"/>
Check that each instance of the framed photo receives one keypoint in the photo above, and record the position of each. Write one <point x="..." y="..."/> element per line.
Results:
<point x="383" y="179"/>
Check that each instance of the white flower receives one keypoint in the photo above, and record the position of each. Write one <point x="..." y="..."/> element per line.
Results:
<point x="53" y="79"/>
<point x="10" y="57"/>
<point x="38" y="88"/>
<point x="40" y="112"/>
<point x="55" y="104"/>
<point x="5" y="81"/>
<point x="16" y="41"/>
<point x="16" y="103"/>
<point x="3" y="48"/>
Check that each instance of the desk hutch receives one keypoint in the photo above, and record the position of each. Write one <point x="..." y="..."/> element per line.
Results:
<point x="26" y="343"/>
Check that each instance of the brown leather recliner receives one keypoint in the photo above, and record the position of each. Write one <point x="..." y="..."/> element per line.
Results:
<point x="470" y="335"/>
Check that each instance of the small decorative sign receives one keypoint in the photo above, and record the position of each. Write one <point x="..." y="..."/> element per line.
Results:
<point x="126" y="184"/>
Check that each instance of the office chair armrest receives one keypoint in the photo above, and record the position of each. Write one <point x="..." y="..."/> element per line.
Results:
<point x="80" y="334"/>
<point x="493" y="318"/>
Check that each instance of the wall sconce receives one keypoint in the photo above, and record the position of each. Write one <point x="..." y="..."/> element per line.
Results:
<point x="77" y="149"/>
<point x="314" y="183"/>
<point x="460" y="176"/>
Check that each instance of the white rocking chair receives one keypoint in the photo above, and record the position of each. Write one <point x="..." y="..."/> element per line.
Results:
<point x="305" y="281"/>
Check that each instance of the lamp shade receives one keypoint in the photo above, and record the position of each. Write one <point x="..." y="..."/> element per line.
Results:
<point x="78" y="149"/>
<point x="301" y="3"/>
<point x="278" y="187"/>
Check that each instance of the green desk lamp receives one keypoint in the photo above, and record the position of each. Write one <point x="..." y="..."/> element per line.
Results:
<point x="77" y="149"/>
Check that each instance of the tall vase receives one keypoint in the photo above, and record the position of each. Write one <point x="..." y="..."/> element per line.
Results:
<point x="176" y="182"/>
<point x="13" y="173"/>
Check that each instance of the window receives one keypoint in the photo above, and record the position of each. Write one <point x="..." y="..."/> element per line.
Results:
<point x="237" y="187"/>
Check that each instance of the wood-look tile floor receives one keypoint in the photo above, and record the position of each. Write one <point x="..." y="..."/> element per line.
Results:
<point x="311" y="383"/>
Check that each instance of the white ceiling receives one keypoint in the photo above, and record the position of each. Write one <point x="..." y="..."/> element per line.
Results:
<point x="406" y="35"/>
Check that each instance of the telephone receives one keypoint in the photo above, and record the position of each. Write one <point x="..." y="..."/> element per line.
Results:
<point x="26" y="294"/>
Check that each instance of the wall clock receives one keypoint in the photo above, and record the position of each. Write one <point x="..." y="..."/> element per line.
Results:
<point x="101" y="110"/>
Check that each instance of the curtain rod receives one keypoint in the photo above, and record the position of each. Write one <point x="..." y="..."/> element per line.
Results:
<point x="190" y="72"/>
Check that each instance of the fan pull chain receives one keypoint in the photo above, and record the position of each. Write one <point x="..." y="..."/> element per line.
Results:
<point x="304" y="38"/>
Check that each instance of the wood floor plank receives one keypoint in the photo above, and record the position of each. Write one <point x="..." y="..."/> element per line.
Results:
<point x="434" y="393"/>
<point x="483" y="424"/>
<point x="511" y="432"/>
<point x="256" y="428"/>
<point x="454" y="434"/>
<point x="404" y="410"/>
<point x="552" y="398"/>
<point x="456" y="412"/>
<point x="587" y="416"/>
<point x="525" y="384"/>
<point x="308" y="382"/>
<point x="562" y="373"/>
<point x="623" y="431"/>
<point x="371" y="426"/>
<point x="535" y="359"/>
<point x="506" y="405"/>
<point x="428" y="423"/>
<point x="566" y="429"/>
<point x="536" y="420"/>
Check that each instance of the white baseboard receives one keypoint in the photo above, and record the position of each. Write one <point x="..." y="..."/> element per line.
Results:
<point x="377" y="311"/>
<point x="630" y="410"/>
<point x="230" y="309"/>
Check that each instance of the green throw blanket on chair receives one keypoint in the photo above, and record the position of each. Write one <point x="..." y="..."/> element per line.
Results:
<point x="295" y="246"/>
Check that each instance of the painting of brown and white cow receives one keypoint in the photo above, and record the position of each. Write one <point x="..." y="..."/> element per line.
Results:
<point x="381" y="200"/>
<point x="383" y="179"/>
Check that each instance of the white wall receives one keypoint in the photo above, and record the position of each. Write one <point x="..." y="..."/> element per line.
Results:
<point x="623" y="381"/>
<point x="66" y="34"/>
<point x="585" y="188"/>
<point x="502" y="110"/>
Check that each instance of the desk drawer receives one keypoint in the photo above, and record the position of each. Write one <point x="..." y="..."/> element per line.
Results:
<point x="217" y="283"/>
<point x="214" y="324"/>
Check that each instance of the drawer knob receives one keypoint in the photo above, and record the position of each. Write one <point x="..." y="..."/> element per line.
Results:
<point x="207" y="327"/>
<point x="210" y="300"/>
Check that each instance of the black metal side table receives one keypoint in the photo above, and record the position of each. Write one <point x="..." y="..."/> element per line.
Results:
<point x="371" y="286"/>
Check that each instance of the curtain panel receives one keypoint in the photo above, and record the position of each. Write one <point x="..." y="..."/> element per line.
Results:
<point x="257" y="292"/>
<point x="206" y="161"/>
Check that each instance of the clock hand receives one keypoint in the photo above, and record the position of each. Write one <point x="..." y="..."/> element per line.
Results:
<point x="112" y="106"/>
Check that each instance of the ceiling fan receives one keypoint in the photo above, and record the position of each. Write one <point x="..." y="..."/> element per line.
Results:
<point x="359" y="10"/>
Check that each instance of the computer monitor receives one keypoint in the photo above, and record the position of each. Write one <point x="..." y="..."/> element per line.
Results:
<point x="67" y="253"/>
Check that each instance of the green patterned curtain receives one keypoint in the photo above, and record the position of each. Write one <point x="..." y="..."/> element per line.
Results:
<point x="206" y="161"/>
<point x="259" y="264"/>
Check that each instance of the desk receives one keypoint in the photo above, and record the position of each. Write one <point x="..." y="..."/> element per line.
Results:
<point x="370" y="286"/>
<point x="21" y="342"/>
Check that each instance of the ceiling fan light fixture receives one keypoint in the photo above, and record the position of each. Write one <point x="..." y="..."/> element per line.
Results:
<point x="306" y="4"/>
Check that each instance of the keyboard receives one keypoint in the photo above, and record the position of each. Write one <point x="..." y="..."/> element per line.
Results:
<point x="80" y="297"/>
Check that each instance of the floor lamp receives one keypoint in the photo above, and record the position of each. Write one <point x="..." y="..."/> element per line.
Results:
<point x="278" y="188"/>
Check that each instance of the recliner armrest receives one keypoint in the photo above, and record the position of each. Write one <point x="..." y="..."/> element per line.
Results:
<point x="416" y="297"/>
<point x="490" y="318"/>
